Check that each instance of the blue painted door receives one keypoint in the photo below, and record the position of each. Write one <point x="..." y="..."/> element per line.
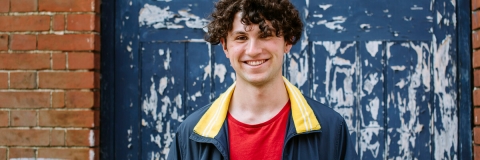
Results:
<point x="388" y="67"/>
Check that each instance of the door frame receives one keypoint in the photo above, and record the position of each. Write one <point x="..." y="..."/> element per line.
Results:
<point x="116" y="143"/>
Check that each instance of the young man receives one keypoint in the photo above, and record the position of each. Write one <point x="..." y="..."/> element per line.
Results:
<point x="262" y="115"/>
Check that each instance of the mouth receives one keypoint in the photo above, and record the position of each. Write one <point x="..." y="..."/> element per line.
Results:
<point x="255" y="62"/>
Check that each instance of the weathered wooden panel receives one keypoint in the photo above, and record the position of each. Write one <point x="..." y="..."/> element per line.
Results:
<point x="371" y="130"/>
<point x="163" y="96"/>
<point x="335" y="78"/>
<point x="198" y="86"/>
<point x="408" y="92"/>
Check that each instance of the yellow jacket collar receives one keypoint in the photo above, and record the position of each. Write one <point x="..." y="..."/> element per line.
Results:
<point x="302" y="114"/>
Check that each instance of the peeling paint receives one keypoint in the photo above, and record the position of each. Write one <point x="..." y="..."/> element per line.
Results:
<point x="446" y="134"/>
<point x="163" y="84"/>
<point x="91" y="138"/>
<point x="156" y="17"/>
<point x="325" y="7"/>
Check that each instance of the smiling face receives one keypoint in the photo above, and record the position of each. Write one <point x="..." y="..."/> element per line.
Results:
<point x="256" y="58"/>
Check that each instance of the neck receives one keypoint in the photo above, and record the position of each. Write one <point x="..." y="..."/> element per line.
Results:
<point x="256" y="104"/>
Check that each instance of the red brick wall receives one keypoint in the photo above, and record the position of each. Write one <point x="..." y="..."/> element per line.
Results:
<point x="49" y="65"/>
<point x="476" y="76"/>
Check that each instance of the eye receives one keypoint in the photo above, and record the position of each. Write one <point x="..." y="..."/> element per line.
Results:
<point x="241" y="38"/>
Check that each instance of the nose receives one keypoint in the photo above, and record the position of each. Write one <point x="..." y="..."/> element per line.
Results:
<point x="254" y="47"/>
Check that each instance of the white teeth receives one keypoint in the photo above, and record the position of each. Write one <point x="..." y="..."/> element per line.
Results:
<point x="255" y="63"/>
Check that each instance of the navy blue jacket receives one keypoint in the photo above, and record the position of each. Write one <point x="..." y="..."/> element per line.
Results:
<point x="204" y="134"/>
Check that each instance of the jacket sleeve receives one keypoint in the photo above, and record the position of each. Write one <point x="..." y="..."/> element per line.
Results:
<point x="345" y="144"/>
<point x="175" y="152"/>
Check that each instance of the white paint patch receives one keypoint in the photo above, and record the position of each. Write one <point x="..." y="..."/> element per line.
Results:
<point x="372" y="47"/>
<point x="318" y="15"/>
<point x="334" y="24"/>
<point x="165" y="104"/>
<point x="149" y="104"/>
<point x="129" y="137"/>
<point x="91" y="154"/>
<point x="91" y="138"/>
<point x="370" y="83"/>
<point x="156" y="17"/>
<point x="167" y="140"/>
<point x="340" y="61"/>
<point x="439" y="17"/>
<point x="156" y="140"/>
<point x="398" y="68"/>
<point x="163" y="84"/>
<point x="325" y="7"/>
<point x="151" y="15"/>
<point x="220" y="71"/>
<point x="416" y="8"/>
<point x="365" y="26"/>
<point x="167" y="60"/>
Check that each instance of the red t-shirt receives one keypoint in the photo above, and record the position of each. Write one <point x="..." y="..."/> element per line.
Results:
<point x="260" y="141"/>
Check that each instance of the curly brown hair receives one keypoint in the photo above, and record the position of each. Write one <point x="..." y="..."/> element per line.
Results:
<point x="282" y="15"/>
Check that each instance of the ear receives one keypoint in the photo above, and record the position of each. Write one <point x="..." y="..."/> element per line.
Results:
<point x="288" y="46"/>
<point x="224" y="46"/>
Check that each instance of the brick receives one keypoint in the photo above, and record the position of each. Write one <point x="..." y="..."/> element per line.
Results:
<point x="24" y="100"/>
<point x="57" y="138"/>
<point x="23" y="42"/>
<point x="78" y="99"/>
<point x="23" y="118"/>
<point x="67" y="80"/>
<point x="69" y="42"/>
<point x="476" y="78"/>
<point x="23" y="5"/>
<point x="82" y="60"/>
<point x="476" y="116"/>
<point x="3" y="151"/>
<point x="58" y="22"/>
<point x="81" y="22"/>
<point x="4" y="120"/>
<point x="66" y="5"/>
<point x="3" y="80"/>
<point x="475" y="40"/>
<point x="4" y="7"/>
<point x="475" y="20"/>
<point x="58" y="99"/>
<point x="24" y="137"/>
<point x="66" y="153"/>
<point x="63" y="118"/>
<point x="21" y="153"/>
<point x="25" y="23"/>
<point x="20" y="61"/>
<point x="87" y="138"/>
<point x="3" y="42"/>
<point x="476" y="135"/>
<point x="476" y="152"/>
<point x="476" y="59"/>
<point x="476" y="97"/>
<point x="24" y="80"/>
<point x="475" y="4"/>
<point x="59" y="61"/>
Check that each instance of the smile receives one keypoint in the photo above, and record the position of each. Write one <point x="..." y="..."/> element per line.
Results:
<point x="256" y="62"/>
